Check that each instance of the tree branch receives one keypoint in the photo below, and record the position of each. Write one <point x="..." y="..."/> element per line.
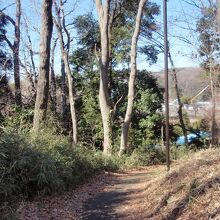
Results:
<point x="64" y="26"/>
<point x="2" y="14"/>
<point x="8" y="42"/>
<point x="7" y="7"/>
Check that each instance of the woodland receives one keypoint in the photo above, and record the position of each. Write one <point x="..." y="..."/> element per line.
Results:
<point x="82" y="104"/>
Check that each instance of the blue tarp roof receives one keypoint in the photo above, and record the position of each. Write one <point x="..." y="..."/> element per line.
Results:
<point x="192" y="137"/>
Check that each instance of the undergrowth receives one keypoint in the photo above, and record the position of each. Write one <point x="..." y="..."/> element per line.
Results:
<point x="144" y="156"/>
<point x="47" y="163"/>
<point x="44" y="164"/>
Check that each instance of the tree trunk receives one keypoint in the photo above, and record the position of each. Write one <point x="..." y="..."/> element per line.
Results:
<point x="15" y="50"/>
<point x="180" y="104"/>
<point x="63" y="94"/>
<point x="104" y="99"/>
<point x="131" y="85"/>
<point x="16" y="47"/>
<point x="53" y="80"/>
<point x="218" y="15"/>
<point x="44" y="67"/>
<point x="32" y="60"/>
<point x="213" y="119"/>
<point x="71" y="96"/>
<point x="65" y="58"/>
<point x="60" y="25"/>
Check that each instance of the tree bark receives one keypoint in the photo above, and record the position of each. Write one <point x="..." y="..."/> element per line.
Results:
<point x="213" y="126"/>
<point x="65" y="58"/>
<point x="71" y="96"/>
<point x="218" y="15"/>
<point x="53" y="80"/>
<point x="104" y="99"/>
<point x="63" y="94"/>
<point x="131" y="84"/>
<point x="44" y="67"/>
<point x="16" y="48"/>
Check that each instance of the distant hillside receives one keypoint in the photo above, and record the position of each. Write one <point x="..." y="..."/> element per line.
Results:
<point x="191" y="80"/>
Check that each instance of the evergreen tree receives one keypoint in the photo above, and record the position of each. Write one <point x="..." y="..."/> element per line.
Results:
<point x="5" y="60"/>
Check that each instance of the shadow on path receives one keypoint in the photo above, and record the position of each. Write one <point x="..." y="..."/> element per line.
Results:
<point x="102" y="206"/>
<point x="105" y="204"/>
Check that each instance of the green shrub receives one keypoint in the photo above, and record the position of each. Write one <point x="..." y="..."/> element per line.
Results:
<point x="45" y="163"/>
<point x="144" y="156"/>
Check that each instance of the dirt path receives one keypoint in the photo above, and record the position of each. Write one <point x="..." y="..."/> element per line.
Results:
<point x="107" y="196"/>
<point x="117" y="200"/>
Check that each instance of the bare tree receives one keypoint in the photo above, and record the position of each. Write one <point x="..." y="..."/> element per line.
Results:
<point x="178" y="96"/>
<point x="44" y="67"/>
<point x="29" y="46"/>
<point x="60" y="24"/>
<point x="131" y="85"/>
<point x="27" y="63"/>
<point x="15" y="46"/>
<point x="206" y="43"/>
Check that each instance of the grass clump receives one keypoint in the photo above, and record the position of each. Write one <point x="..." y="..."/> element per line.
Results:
<point x="180" y="152"/>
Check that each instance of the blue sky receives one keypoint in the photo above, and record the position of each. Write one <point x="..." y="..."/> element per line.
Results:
<point x="178" y="11"/>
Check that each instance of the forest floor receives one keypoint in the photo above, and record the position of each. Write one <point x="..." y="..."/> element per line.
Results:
<point x="191" y="190"/>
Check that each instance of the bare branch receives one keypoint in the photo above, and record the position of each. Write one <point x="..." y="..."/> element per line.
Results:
<point x="64" y="25"/>
<point x="193" y="3"/>
<point x="119" y="101"/>
<point x="7" y="6"/>
<point x="8" y="42"/>
<point x="10" y="19"/>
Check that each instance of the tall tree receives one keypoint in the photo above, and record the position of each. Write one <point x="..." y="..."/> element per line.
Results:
<point x="15" y="47"/>
<point x="60" y="24"/>
<point x="179" y="101"/>
<point x="5" y="64"/>
<point x="131" y="85"/>
<point x="44" y="67"/>
<point x="5" y="59"/>
<point x="104" y="98"/>
<point x="209" y="51"/>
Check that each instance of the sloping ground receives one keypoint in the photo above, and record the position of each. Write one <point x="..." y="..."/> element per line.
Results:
<point x="191" y="190"/>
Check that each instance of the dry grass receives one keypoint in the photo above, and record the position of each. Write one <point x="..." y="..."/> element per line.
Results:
<point x="191" y="190"/>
